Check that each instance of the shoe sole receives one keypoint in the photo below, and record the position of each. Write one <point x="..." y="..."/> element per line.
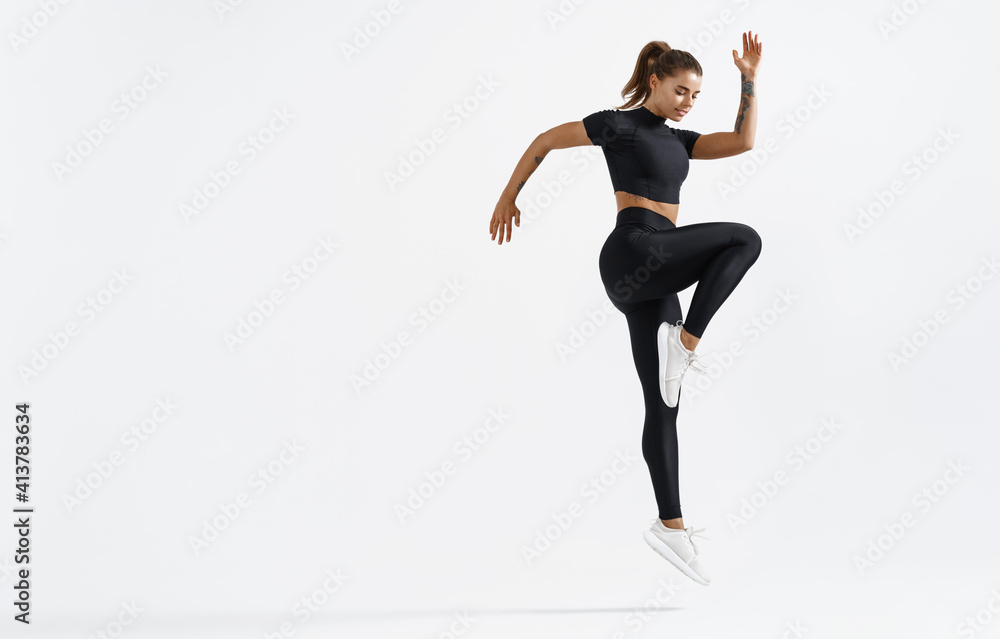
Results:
<point x="662" y="347"/>
<point x="662" y="336"/>
<point x="664" y="551"/>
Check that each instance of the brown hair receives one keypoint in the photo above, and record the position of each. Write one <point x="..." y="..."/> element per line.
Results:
<point x="656" y="57"/>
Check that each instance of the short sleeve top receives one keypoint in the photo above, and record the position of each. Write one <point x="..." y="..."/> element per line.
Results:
<point x="645" y="156"/>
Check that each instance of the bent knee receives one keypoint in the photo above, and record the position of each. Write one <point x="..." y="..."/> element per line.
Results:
<point x="745" y="234"/>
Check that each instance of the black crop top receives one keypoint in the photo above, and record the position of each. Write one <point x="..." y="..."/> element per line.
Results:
<point x="644" y="157"/>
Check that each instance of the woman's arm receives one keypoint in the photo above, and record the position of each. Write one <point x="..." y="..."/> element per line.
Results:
<point x="506" y="214"/>
<point x="746" y="119"/>
<point x="563" y="136"/>
<point x="532" y="157"/>
<point x="721" y="145"/>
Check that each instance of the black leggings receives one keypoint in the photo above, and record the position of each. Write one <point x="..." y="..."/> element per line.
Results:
<point x="644" y="263"/>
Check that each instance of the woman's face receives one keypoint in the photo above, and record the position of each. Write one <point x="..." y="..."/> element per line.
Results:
<point x="674" y="97"/>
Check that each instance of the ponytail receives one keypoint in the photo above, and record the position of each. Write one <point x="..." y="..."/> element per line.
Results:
<point x="656" y="57"/>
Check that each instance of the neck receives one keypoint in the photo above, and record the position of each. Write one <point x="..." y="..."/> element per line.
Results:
<point x="653" y="112"/>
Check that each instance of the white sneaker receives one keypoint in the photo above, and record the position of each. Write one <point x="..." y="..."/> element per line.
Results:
<point x="676" y="546"/>
<point x="674" y="361"/>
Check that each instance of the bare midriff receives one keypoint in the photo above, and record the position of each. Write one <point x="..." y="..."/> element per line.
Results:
<point x="666" y="209"/>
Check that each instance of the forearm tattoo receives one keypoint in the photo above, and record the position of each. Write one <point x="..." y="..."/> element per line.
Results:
<point x="746" y="94"/>
<point x="538" y="160"/>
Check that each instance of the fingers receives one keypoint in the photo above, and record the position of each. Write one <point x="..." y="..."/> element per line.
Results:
<point x="498" y="233"/>
<point x="503" y="222"/>
<point x="752" y="43"/>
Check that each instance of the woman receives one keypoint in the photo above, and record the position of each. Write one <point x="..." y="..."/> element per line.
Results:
<point x="647" y="259"/>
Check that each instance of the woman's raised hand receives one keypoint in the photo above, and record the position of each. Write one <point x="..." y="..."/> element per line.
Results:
<point x="501" y="222"/>
<point x="750" y="61"/>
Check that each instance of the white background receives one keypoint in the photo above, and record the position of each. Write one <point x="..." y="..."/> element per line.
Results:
<point x="353" y="118"/>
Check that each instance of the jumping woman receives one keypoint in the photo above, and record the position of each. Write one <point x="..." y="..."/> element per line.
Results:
<point x="647" y="259"/>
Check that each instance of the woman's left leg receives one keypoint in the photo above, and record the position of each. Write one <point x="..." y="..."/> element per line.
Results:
<point x="659" y="431"/>
<point x="715" y="255"/>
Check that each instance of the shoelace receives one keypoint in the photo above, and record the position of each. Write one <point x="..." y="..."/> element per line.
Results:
<point x="691" y="532"/>
<point x="693" y="362"/>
